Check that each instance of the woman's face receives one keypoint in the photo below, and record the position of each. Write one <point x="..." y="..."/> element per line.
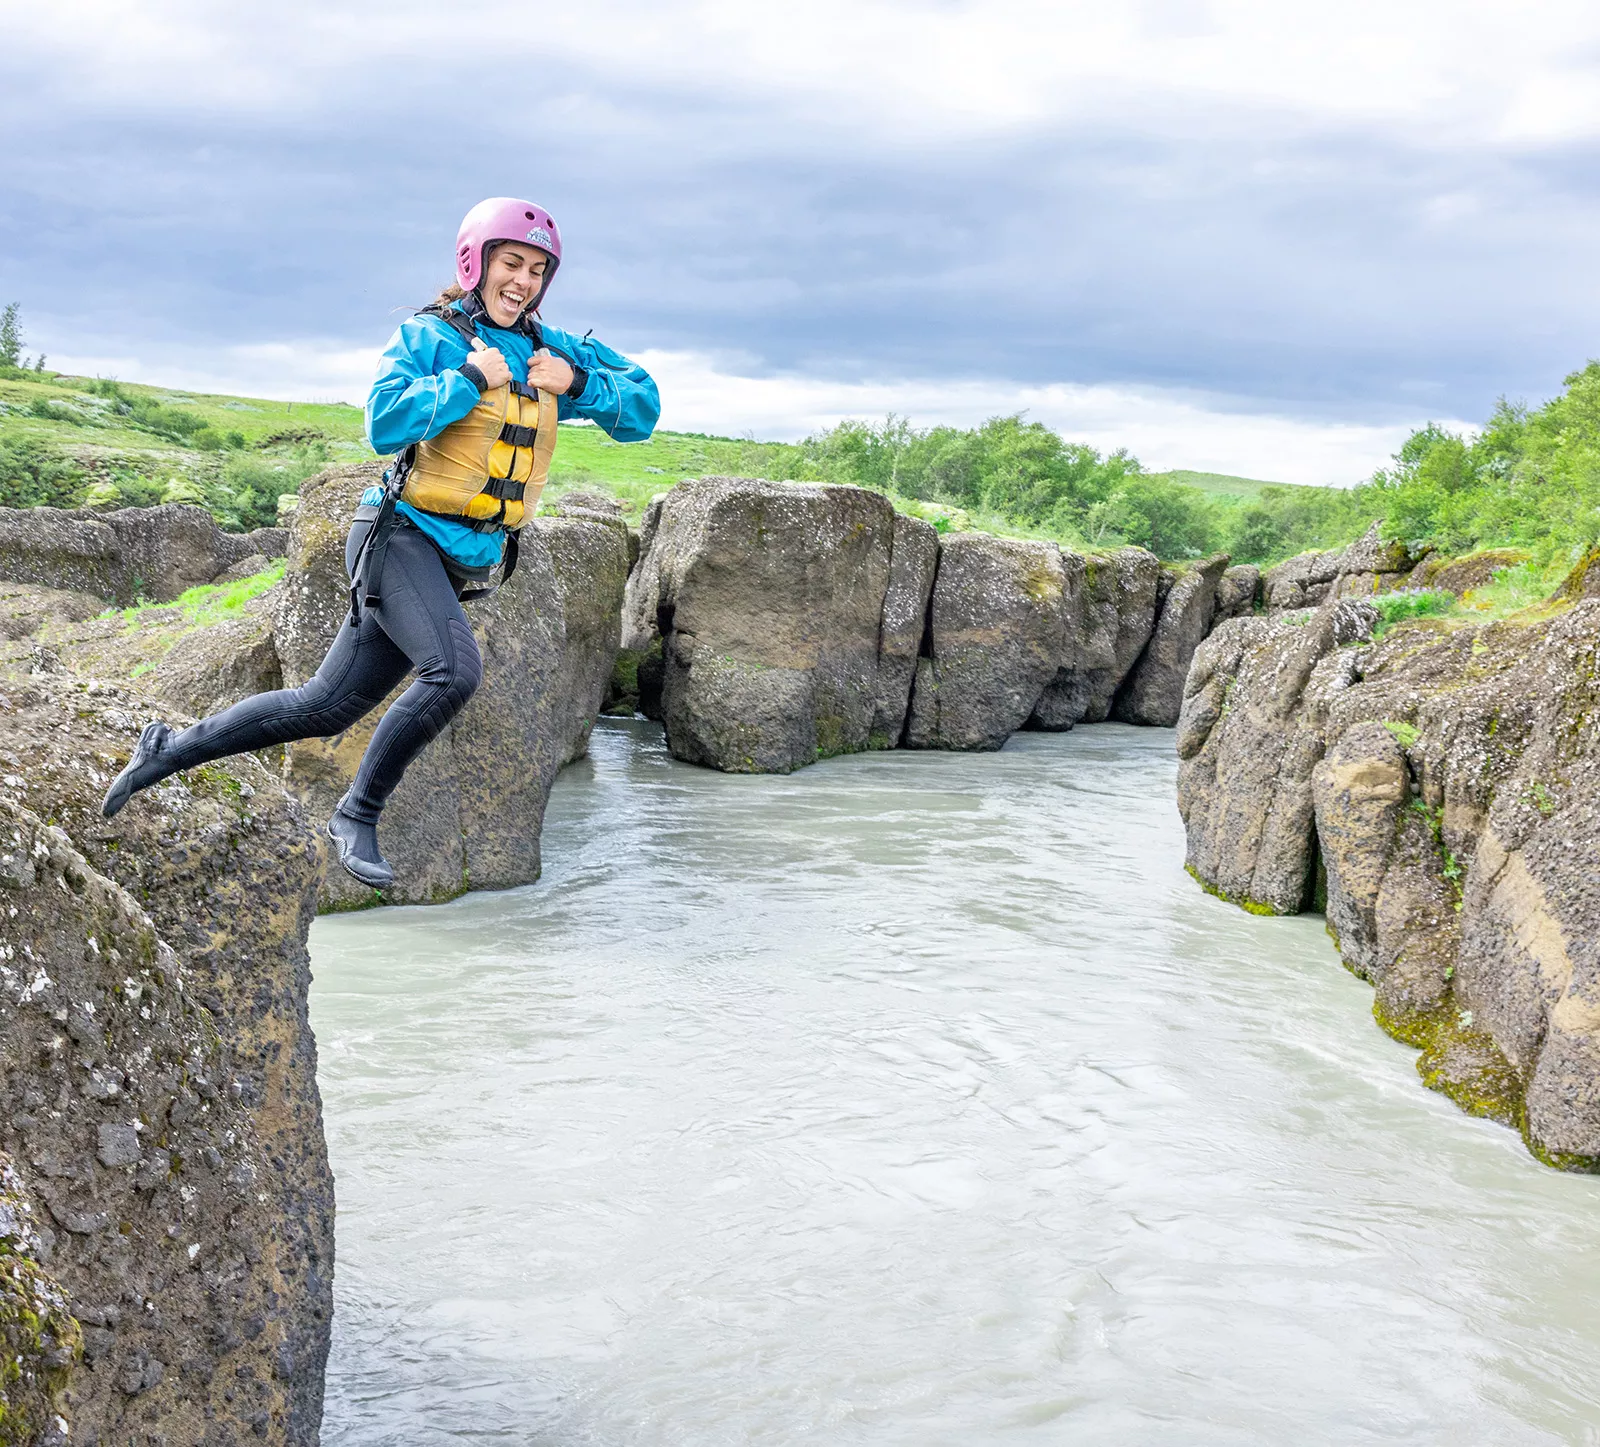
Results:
<point x="511" y="280"/>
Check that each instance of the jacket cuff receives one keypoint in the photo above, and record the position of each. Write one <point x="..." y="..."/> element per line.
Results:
<point x="580" y="381"/>
<point x="473" y="375"/>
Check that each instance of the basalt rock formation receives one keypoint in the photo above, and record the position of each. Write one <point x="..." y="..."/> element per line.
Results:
<point x="786" y="620"/>
<point x="166" y="1217"/>
<point x="1441" y="787"/>
<point x="152" y="553"/>
<point x="1153" y="690"/>
<point x="770" y="624"/>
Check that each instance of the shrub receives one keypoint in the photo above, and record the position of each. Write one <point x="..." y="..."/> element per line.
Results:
<point x="1400" y="607"/>
<point x="35" y="474"/>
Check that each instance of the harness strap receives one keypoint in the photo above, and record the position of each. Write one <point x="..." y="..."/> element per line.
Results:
<point x="366" y="576"/>
<point x="517" y="435"/>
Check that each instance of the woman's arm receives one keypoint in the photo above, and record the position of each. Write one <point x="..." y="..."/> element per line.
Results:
<point x="419" y="390"/>
<point x="620" y="397"/>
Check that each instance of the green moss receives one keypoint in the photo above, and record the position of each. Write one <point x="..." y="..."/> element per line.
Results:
<point x="1244" y="902"/>
<point x="831" y="737"/>
<point x="40" y="1341"/>
<point x="1405" y="734"/>
<point x="1453" y="873"/>
<point x="625" y="673"/>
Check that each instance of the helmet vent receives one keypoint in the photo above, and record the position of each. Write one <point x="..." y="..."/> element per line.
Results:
<point x="530" y="216"/>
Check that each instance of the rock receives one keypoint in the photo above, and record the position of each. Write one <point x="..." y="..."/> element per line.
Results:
<point x="42" y="1339"/>
<point x="153" y="553"/>
<point x="1002" y="612"/>
<point x="25" y="608"/>
<point x="166" y="985"/>
<point x="1455" y="811"/>
<point x="548" y="640"/>
<point x="1106" y="630"/>
<point x="1583" y="581"/>
<point x="1368" y="565"/>
<point x="1300" y="581"/>
<point x="769" y="601"/>
<point x="1462" y="575"/>
<point x="208" y="669"/>
<point x="118" y="1145"/>
<point x="1249" y="736"/>
<point x="247" y="567"/>
<point x="1153" y="691"/>
<point x="1237" y="590"/>
<point x="913" y="560"/>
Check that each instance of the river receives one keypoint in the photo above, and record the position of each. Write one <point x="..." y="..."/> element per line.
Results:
<point x="914" y="1099"/>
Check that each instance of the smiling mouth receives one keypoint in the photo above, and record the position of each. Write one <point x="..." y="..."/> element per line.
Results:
<point x="513" y="298"/>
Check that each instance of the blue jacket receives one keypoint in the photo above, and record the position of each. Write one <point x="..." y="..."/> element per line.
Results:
<point x="419" y="392"/>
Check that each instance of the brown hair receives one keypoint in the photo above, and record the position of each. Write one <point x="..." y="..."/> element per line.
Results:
<point x="449" y="294"/>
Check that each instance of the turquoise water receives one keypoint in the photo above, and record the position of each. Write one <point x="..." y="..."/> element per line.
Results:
<point x="914" y="1099"/>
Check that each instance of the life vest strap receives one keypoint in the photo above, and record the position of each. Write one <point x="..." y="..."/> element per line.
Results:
<point x="504" y="488"/>
<point x="518" y="436"/>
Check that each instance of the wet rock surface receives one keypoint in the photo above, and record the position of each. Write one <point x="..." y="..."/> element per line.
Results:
<point x="1446" y="778"/>
<point x="161" y="1118"/>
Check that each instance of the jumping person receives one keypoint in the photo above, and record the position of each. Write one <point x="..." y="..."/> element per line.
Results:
<point x="468" y="394"/>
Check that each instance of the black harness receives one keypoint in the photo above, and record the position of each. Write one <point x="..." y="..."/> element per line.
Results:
<point x="366" y="577"/>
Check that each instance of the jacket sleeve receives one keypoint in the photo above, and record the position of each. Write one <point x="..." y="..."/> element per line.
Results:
<point x="620" y="398"/>
<point x="418" y="391"/>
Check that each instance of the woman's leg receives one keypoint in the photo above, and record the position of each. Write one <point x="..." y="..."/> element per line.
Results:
<point x="423" y="620"/>
<point x="359" y="670"/>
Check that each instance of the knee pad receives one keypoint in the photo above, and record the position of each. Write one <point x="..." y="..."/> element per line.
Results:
<point x="466" y="671"/>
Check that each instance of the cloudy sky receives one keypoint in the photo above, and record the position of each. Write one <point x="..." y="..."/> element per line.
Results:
<point x="1256" y="236"/>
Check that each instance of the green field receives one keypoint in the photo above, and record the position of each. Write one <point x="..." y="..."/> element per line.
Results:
<point x="296" y="438"/>
<point x="1219" y="484"/>
<point x="78" y="441"/>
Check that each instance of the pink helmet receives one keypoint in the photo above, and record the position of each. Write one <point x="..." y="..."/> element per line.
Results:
<point x="504" y="218"/>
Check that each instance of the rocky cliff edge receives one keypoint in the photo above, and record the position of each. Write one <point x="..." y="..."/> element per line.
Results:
<point x="1438" y="788"/>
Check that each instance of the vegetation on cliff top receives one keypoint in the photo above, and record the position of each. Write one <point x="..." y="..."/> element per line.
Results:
<point x="1530" y="479"/>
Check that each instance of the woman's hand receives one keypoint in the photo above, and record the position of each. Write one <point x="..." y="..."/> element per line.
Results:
<point x="492" y="367"/>
<point x="549" y="373"/>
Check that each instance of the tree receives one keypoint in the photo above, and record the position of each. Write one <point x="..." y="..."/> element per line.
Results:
<point x="10" y="336"/>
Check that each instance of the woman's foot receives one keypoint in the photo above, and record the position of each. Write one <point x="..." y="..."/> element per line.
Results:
<point x="144" y="768"/>
<point x="357" y="844"/>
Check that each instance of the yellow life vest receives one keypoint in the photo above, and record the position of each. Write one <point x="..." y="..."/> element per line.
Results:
<point x="488" y="469"/>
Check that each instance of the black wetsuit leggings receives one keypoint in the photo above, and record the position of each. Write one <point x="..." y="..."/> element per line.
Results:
<point x="418" y="625"/>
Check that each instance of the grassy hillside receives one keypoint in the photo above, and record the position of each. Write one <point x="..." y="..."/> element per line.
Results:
<point x="1218" y="484"/>
<point x="73" y="441"/>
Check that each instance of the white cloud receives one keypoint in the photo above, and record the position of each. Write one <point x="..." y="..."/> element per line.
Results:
<point x="1458" y="71"/>
<point x="1164" y="428"/>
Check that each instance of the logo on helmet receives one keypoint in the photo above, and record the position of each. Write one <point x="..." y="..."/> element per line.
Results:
<point x="539" y="237"/>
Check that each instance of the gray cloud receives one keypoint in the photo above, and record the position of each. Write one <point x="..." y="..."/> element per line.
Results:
<point x="1335" y="273"/>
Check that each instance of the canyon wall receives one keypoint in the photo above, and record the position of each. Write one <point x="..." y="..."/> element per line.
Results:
<point x="771" y="624"/>
<point x="1435" y="787"/>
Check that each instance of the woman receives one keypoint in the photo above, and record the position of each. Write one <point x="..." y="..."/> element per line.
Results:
<point x="468" y="394"/>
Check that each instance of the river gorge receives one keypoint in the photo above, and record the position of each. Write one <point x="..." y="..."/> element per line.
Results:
<point x="912" y="1099"/>
<point x="840" y="1051"/>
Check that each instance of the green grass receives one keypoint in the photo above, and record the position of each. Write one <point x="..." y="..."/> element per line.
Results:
<point x="1219" y="484"/>
<point x="209" y="603"/>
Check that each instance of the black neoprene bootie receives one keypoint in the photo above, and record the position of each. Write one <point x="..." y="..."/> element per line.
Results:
<point x="144" y="768"/>
<point x="357" y="844"/>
